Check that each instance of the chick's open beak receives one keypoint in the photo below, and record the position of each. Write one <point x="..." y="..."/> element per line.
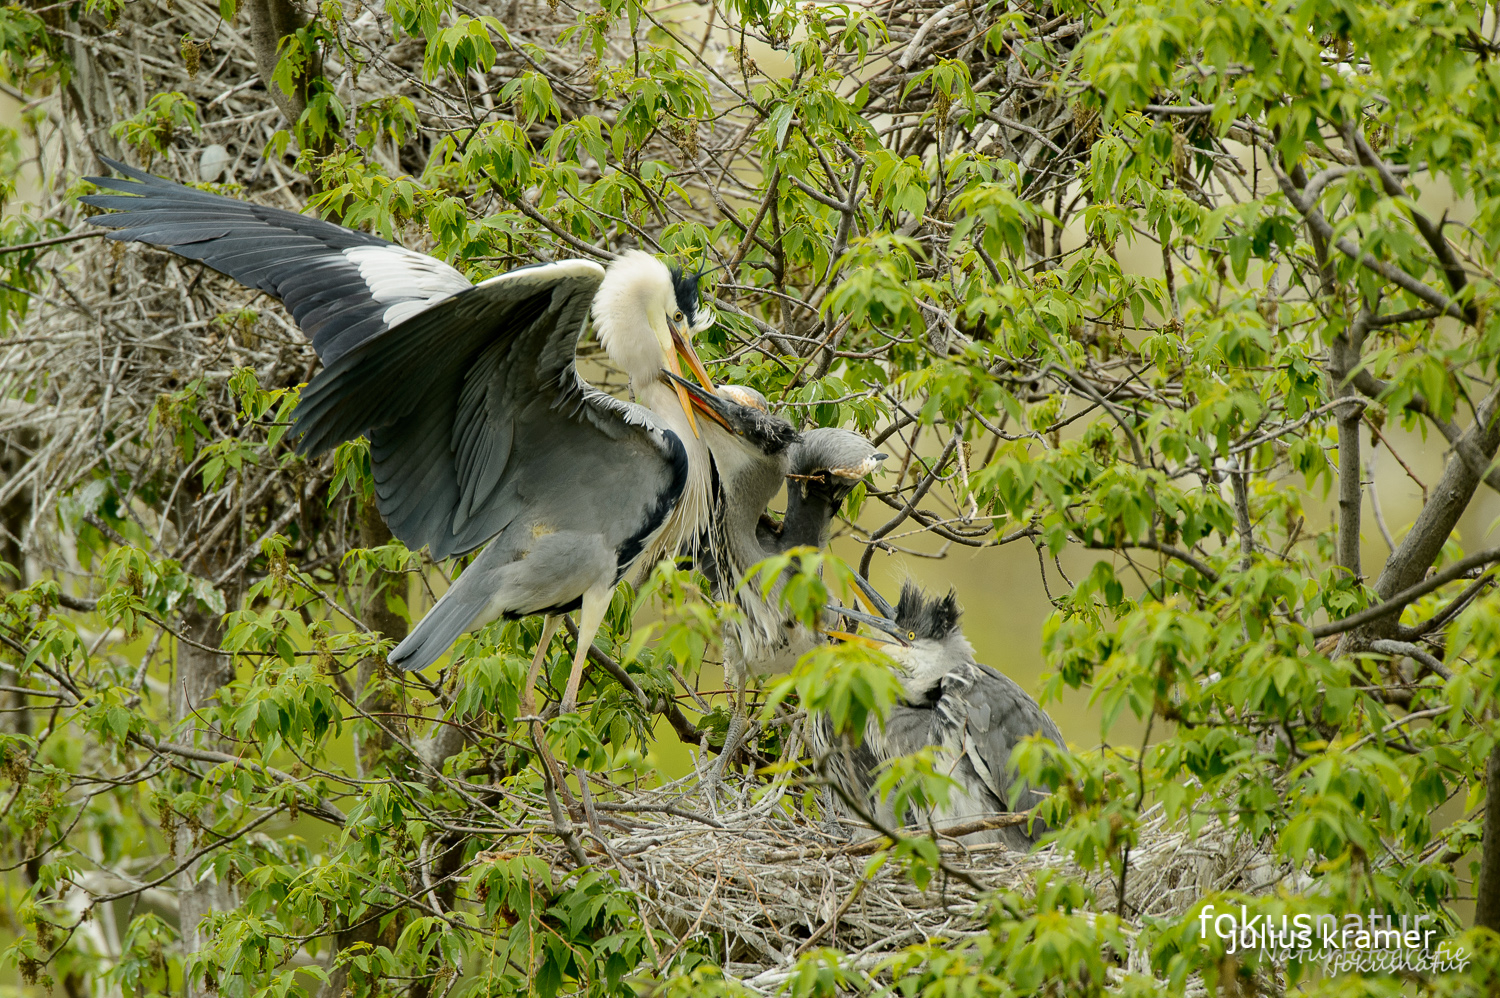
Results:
<point x="881" y="620"/>
<point x="694" y="397"/>
<point x="886" y="631"/>
<point x="856" y="639"/>
<point x="871" y="598"/>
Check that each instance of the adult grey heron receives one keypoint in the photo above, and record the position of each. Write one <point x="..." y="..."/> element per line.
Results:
<point x="481" y="430"/>
<point x="971" y="714"/>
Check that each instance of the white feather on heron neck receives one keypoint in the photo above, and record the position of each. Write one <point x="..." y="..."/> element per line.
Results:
<point x="630" y="316"/>
<point x="923" y="665"/>
<point x="630" y="319"/>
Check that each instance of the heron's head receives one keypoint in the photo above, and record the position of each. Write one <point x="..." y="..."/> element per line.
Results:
<point x="829" y="461"/>
<point x="740" y="425"/>
<point x="646" y="314"/>
<point x="921" y="633"/>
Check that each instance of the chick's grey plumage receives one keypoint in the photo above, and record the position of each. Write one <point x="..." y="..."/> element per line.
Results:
<point x="752" y="457"/>
<point x="973" y="715"/>
<point x="480" y="427"/>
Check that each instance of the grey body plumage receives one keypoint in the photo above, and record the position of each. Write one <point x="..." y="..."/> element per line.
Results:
<point x="971" y="714"/>
<point x="481" y="429"/>
<point x="754" y="451"/>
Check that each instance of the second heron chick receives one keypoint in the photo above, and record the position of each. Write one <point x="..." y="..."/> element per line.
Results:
<point x="971" y="715"/>
<point x="754" y="451"/>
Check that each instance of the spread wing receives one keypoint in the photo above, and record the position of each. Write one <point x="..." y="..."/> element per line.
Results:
<point x="457" y="399"/>
<point x="341" y="286"/>
<point x="469" y="394"/>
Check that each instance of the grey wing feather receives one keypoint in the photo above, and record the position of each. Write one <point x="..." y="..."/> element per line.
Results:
<point x="341" y="286"/>
<point x="567" y="534"/>
<point x="469" y="395"/>
<point x="451" y="396"/>
<point x="449" y="618"/>
<point x="978" y="717"/>
<point x="985" y="714"/>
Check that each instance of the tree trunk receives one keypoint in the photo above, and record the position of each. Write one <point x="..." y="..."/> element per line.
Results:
<point x="200" y="674"/>
<point x="379" y="617"/>
<point x="369" y="749"/>
<point x="1487" y="887"/>
<point x="270" y="22"/>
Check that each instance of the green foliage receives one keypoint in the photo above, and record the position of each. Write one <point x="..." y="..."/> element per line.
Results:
<point x="1073" y="268"/>
<point x="156" y="126"/>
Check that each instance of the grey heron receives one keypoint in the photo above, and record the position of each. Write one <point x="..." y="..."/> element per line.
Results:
<point x="482" y="432"/>
<point x="971" y="714"/>
<point x="754" y="451"/>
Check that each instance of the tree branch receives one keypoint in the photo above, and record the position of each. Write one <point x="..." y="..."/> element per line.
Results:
<point x="1399" y="601"/>
<point x="1345" y="354"/>
<point x="1450" y="498"/>
<point x="1452" y="269"/>
<point x="1395" y="275"/>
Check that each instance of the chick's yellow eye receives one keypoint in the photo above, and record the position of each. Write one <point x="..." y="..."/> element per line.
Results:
<point x="911" y="635"/>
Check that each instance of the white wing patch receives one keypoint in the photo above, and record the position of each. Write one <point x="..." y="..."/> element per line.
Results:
<point x="412" y="282"/>
<point x="550" y="271"/>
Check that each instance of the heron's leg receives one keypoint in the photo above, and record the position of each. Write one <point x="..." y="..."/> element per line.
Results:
<point x="550" y="624"/>
<point x="738" y="725"/>
<point x="590" y="616"/>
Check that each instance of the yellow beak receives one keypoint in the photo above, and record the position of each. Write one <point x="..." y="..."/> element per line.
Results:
<point x="682" y="393"/>
<point x="857" y="639"/>
<point x="686" y="352"/>
<point x="864" y="600"/>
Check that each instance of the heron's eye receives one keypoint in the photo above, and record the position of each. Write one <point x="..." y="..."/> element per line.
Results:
<point x="677" y="317"/>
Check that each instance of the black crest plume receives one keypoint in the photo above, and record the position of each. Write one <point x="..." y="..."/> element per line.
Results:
<point x="685" y="289"/>
<point x="929" y="617"/>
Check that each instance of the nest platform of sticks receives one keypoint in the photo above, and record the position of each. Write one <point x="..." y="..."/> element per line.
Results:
<point x="769" y="884"/>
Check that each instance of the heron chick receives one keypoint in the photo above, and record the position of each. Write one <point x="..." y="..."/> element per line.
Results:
<point x="754" y="452"/>
<point x="971" y="714"/>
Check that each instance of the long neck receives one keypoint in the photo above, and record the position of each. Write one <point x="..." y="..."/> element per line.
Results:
<point x="746" y="484"/>
<point x="809" y="513"/>
<point x="692" y="515"/>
